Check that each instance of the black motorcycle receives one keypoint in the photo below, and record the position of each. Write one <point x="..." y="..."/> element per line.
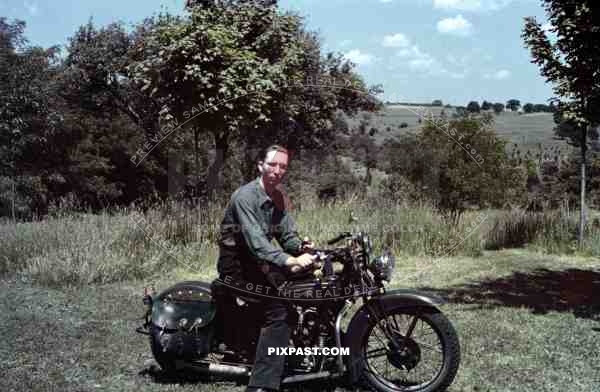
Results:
<point x="391" y="340"/>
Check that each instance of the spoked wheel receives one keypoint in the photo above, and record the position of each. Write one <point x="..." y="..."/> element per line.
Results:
<point x="410" y="349"/>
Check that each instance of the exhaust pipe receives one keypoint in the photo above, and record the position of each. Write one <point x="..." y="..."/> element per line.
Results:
<point x="307" y="377"/>
<point x="216" y="368"/>
<point x="230" y="370"/>
<point x="242" y="371"/>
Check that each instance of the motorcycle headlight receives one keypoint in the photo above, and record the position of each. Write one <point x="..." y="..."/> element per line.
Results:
<point x="383" y="266"/>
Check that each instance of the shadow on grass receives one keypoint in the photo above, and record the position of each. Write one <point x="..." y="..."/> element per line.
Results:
<point x="541" y="290"/>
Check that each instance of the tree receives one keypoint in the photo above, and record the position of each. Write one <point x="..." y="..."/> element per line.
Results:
<point x="253" y="70"/>
<point x="498" y="107"/>
<point x="437" y="102"/>
<point x="486" y="105"/>
<point x="473" y="107"/>
<point x="99" y="96"/>
<point x="513" y="104"/>
<point x="460" y="111"/>
<point x="27" y="121"/>
<point x="454" y="179"/>
<point x="571" y="62"/>
<point x="528" y="108"/>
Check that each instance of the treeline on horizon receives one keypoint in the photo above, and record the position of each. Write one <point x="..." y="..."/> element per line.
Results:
<point x="475" y="107"/>
<point x="85" y="129"/>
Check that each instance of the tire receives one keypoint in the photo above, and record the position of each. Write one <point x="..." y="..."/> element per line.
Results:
<point x="410" y="355"/>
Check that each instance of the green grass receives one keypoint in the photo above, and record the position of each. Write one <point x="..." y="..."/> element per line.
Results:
<point x="82" y="339"/>
<point x="528" y="131"/>
<point x="71" y="293"/>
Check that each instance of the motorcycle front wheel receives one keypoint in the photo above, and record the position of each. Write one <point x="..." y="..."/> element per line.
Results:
<point x="410" y="349"/>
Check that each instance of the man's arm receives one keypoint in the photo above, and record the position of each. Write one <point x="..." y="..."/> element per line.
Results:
<point x="287" y="236"/>
<point x="254" y="235"/>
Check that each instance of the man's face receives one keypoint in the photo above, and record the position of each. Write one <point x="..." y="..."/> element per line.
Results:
<point x="273" y="168"/>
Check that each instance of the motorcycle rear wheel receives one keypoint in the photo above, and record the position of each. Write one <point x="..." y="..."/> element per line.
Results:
<point x="419" y="333"/>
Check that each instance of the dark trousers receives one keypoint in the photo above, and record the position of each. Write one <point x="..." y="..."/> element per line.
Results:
<point x="273" y="313"/>
<point x="268" y="369"/>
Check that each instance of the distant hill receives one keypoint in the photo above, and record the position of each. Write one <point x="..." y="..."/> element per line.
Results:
<point x="528" y="131"/>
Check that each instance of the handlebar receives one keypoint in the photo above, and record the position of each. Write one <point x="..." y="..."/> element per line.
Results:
<point x="340" y="237"/>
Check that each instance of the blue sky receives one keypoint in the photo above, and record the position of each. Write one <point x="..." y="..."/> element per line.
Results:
<point x="419" y="50"/>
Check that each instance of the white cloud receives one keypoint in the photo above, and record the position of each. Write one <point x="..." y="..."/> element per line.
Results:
<point x="410" y="60"/>
<point x="359" y="58"/>
<point x="455" y="26"/>
<point x="498" y="75"/>
<point x="397" y="40"/>
<point x="32" y="8"/>
<point x="420" y="61"/>
<point x="386" y="1"/>
<point x="471" y="5"/>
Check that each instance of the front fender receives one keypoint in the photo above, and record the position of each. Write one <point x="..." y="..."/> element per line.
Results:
<point x="393" y="299"/>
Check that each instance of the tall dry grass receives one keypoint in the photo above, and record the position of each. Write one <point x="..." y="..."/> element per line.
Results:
<point x="551" y="232"/>
<point x="127" y="243"/>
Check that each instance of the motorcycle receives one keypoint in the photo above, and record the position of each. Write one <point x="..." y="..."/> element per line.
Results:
<point x="392" y="340"/>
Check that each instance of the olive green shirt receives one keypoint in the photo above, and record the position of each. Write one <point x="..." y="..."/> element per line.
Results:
<point x="252" y="219"/>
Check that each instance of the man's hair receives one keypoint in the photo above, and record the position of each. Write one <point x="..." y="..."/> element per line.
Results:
<point x="273" y="147"/>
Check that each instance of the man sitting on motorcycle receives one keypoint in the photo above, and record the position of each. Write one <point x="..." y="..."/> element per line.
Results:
<point x="257" y="213"/>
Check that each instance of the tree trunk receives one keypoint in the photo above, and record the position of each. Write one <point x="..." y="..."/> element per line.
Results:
<point x="582" y="202"/>
<point x="196" y="159"/>
<point x="212" y="182"/>
<point x="14" y="195"/>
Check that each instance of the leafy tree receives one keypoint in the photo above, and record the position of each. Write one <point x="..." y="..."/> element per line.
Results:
<point x="498" y="107"/>
<point x="528" y="108"/>
<point x="255" y="69"/>
<point x="486" y="105"/>
<point x="460" y="111"/>
<point x="473" y="107"/>
<point x="513" y="104"/>
<point x="571" y="61"/>
<point x="455" y="179"/>
<point x="99" y="94"/>
<point x="27" y="121"/>
<point x="540" y="107"/>
<point x="437" y="102"/>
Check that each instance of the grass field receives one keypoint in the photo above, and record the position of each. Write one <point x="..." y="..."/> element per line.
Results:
<point x="71" y="296"/>
<point x="527" y="322"/>
<point x="528" y="131"/>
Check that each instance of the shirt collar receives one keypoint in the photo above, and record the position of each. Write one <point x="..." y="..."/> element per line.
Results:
<point x="262" y="194"/>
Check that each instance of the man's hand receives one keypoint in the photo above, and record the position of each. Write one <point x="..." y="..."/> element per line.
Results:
<point x="298" y="263"/>
<point x="306" y="245"/>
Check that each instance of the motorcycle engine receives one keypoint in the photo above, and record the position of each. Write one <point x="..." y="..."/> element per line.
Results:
<point x="307" y="329"/>
<point x="305" y="334"/>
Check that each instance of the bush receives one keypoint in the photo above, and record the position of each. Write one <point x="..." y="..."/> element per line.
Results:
<point x="452" y="177"/>
<point x="403" y="125"/>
